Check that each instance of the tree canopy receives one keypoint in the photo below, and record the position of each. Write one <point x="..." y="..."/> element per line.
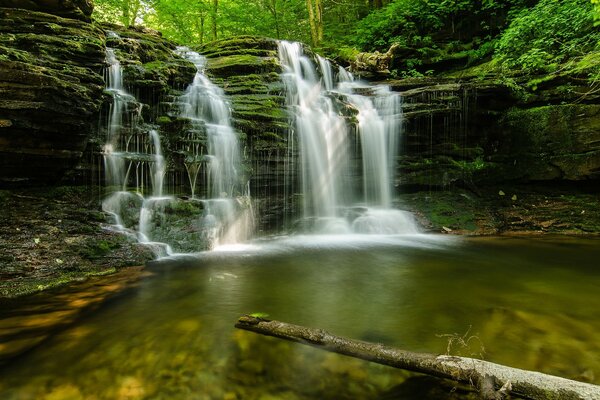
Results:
<point x="532" y="35"/>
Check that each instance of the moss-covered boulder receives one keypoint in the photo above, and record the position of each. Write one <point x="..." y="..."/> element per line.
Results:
<point x="51" y="92"/>
<point x="151" y="69"/>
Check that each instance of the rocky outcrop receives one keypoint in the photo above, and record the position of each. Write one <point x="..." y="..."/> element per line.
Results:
<point x="51" y="91"/>
<point x="480" y="132"/>
<point x="78" y="9"/>
<point x="248" y="70"/>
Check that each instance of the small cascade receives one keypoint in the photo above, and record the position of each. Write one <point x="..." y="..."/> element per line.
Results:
<point x="319" y="107"/>
<point x="203" y="103"/>
<point x="134" y="161"/>
<point x="212" y="151"/>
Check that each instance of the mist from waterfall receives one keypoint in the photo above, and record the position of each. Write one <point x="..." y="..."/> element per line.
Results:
<point x="318" y="101"/>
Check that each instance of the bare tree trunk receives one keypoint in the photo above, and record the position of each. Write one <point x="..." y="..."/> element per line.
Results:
<point x="275" y="17"/>
<point x="202" y="29"/>
<point x="488" y="376"/>
<point x="136" y="5"/>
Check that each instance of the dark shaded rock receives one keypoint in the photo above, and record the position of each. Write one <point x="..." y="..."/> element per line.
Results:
<point x="151" y="69"/>
<point x="52" y="236"/>
<point x="51" y="91"/>
<point x="474" y="132"/>
<point x="78" y="9"/>
<point x="554" y="142"/>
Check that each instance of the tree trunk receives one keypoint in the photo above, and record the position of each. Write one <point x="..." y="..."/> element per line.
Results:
<point x="319" y="10"/>
<point x="275" y="17"/>
<point x="202" y="29"/>
<point x="313" y="23"/>
<point x="488" y="376"/>
<point x="213" y="16"/>
<point x="135" y="5"/>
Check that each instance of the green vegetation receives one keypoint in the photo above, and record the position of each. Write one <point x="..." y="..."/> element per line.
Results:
<point x="540" y="39"/>
<point x="510" y="37"/>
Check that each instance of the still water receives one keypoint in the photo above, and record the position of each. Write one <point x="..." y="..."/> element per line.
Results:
<point x="527" y="303"/>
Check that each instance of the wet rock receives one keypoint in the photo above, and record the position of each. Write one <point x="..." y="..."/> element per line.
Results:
<point x="50" y="237"/>
<point x="51" y="93"/>
<point x="247" y="68"/>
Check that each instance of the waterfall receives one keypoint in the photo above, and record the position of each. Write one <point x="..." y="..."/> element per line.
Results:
<point x="203" y="103"/>
<point x="324" y="136"/>
<point x="134" y="158"/>
<point x="228" y="209"/>
<point x="321" y="133"/>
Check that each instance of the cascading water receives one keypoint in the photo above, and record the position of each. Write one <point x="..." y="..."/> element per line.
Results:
<point x="331" y="204"/>
<point x="228" y="206"/>
<point x="321" y="133"/>
<point x="203" y="103"/>
<point x="134" y="158"/>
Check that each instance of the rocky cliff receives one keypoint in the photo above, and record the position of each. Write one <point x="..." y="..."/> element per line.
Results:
<point x="51" y="90"/>
<point x="461" y="131"/>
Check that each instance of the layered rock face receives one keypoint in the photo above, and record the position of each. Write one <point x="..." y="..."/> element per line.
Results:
<point x="51" y="91"/>
<point x="78" y="9"/>
<point x="482" y="132"/>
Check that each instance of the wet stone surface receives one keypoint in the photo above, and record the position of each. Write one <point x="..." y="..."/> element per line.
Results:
<point x="53" y="236"/>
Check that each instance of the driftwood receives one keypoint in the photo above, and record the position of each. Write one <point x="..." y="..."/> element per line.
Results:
<point x="492" y="379"/>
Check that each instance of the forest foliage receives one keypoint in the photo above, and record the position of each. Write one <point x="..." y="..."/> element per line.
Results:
<point x="525" y="35"/>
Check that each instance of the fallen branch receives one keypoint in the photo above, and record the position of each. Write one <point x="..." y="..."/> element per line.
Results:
<point x="526" y="384"/>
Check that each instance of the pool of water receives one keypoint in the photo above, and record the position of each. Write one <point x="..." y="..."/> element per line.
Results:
<point x="527" y="303"/>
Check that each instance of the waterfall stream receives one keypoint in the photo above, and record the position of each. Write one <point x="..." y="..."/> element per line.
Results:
<point x="134" y="159"/>
<point x="319" y="125"/>
<point x="344" y="132"/>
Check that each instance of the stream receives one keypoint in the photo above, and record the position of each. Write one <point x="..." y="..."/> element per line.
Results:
<point x="523" y="302"/>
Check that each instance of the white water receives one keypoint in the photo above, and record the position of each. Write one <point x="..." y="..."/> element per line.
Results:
<point x="320" y="131"/>
<point x="134" y="159"/>
<point x="228" y="210"/>
<point x="324" y="141"/>
<point x="203" y="103"/>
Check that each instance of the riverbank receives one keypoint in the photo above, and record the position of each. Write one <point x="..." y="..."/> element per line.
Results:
<point x="50" y="237"/>
<point x="53" y="236"/>
<point x="508" y="209"/>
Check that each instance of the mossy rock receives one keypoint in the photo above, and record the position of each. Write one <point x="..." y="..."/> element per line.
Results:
<point x="239" y="64"/>
<point x="239" y="45"/>
<point x="77" y="9"/>
<point x="563" y="139"/>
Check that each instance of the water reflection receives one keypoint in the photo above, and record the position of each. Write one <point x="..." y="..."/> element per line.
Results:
<point x="528" y="303"/>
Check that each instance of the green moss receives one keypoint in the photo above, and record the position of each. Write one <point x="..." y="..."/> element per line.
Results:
<point x="542" y="129"/>
<point x="92" y="248"/>
<point x="250" y="45"/>
<point x="440" y="209"/>
<point x="163" y="119"/>
<point x="241" y="63"/>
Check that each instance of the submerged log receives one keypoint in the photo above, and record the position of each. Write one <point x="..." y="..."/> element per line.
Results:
<point x="484" y="374"/>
